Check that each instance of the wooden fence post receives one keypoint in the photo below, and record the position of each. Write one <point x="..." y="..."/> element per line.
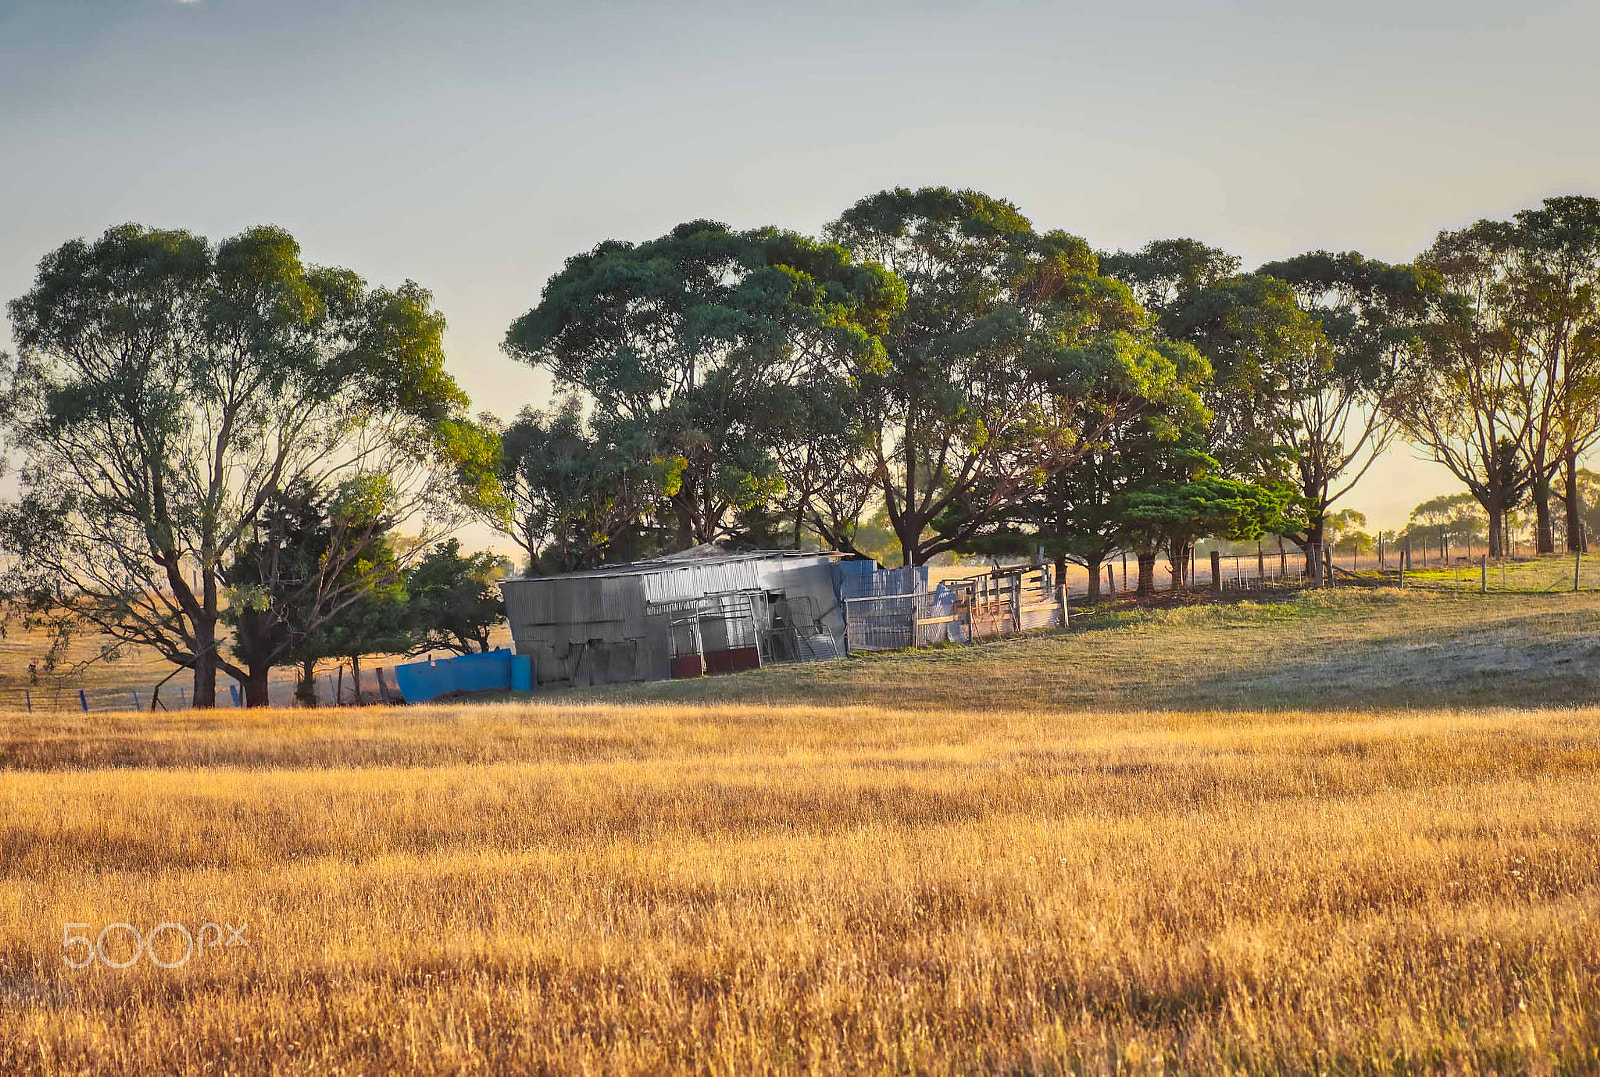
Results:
<point x="27" y="694"/>
<point x="1216" y="572"/>
<point x="1483" y="574"/>
<point x="135" y="694"/>
<point x="1061" y="596"/>
<point x="1577" y="567"/>
<point x="83" y="700"/>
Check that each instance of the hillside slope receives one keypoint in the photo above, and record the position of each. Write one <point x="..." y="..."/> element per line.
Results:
<point x="1348" y="648"/>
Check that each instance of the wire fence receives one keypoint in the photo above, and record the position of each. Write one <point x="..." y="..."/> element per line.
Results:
<point x="1549" y="574"/>
<point x="334" y="688"/>
<point x="1006" y="602"/>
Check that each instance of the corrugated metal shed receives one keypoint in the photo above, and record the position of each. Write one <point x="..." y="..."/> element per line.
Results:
<point x="615" y="623"/>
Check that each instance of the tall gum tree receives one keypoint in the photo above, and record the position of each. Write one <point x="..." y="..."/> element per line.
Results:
<point x="166" y="390"/>
<point x="1554" y="283"/>
<point x="1267" y="357"/>
<point x="1369" y="315"/>
<point x="1461" y="397"/>
<point x="1011" y="355"/>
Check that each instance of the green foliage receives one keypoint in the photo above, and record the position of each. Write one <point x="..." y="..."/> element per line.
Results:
<point x="1010" y="356"/>
<point x="701" y="345"/>
<point x="1185" y="496"/>
<point x="453" y="602"/>
<point x="576" y="493"/>
<point x="1164" y="271"/>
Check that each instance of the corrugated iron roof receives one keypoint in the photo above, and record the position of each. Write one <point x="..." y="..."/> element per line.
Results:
<point x="698" y="556"/>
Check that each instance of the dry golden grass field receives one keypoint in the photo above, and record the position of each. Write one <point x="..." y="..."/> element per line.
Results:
<point x="1350" y="833"/>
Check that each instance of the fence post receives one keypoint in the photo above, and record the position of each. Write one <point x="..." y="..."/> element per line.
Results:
<point x="1216" y="572"/>
<point x="233" y="689"/>
<point x="1405" y="561"/>
<point x="1061" y="596"/>
<point x="1483" y="574"/>
<point x="1577" y="567"/>
<point x="1327" y="563"/>
<point x="383" y="685"/>
<point x="134" y="692"/>
<point x="83" y="700"/>
<point x="27" y="694"/>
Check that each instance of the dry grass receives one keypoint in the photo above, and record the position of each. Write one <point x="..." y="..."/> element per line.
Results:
<point x="753" y="889"/>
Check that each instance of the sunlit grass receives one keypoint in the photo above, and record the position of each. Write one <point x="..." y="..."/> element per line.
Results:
<point x="752" y="889"/>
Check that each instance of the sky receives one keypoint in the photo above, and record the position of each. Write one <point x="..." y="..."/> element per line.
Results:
<point x="474" y="145"/>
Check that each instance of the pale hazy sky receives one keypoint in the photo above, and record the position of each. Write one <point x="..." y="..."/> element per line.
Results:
<point x="472" y="145"/>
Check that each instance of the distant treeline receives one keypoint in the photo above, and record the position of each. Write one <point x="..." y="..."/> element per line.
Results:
<point x="221" y="444"/>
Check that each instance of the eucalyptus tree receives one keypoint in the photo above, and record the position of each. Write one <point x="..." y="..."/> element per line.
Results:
<point x="1463" y="396"/>
<point x="702" y="345"/>
<point x="166" y="390"/>
<point x="1265" y="354"/>
<point x="1554" y="288"/>
<point x="1165" y="271"/>
<point x="1078" y="514"/>
<point x="1011" y="356"/>
<point x="1369" y="316"/>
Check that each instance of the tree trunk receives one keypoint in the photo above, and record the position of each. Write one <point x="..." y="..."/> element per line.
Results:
<point x="305" y="690"/>
<point x="205" y="665"/>
<point x="1497" y="516"/>
<point x="908" y="543"/>
<point x="255" y="686"/>
<point x="685" y="525"/>
<point x="1574" y="500"/>
<point x="1093" y="564"/>
<point x="1147" y="574"/>
<point x="1545" y="537"/>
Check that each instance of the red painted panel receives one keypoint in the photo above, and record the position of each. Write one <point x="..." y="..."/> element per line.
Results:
<point x="732" y="660"/>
